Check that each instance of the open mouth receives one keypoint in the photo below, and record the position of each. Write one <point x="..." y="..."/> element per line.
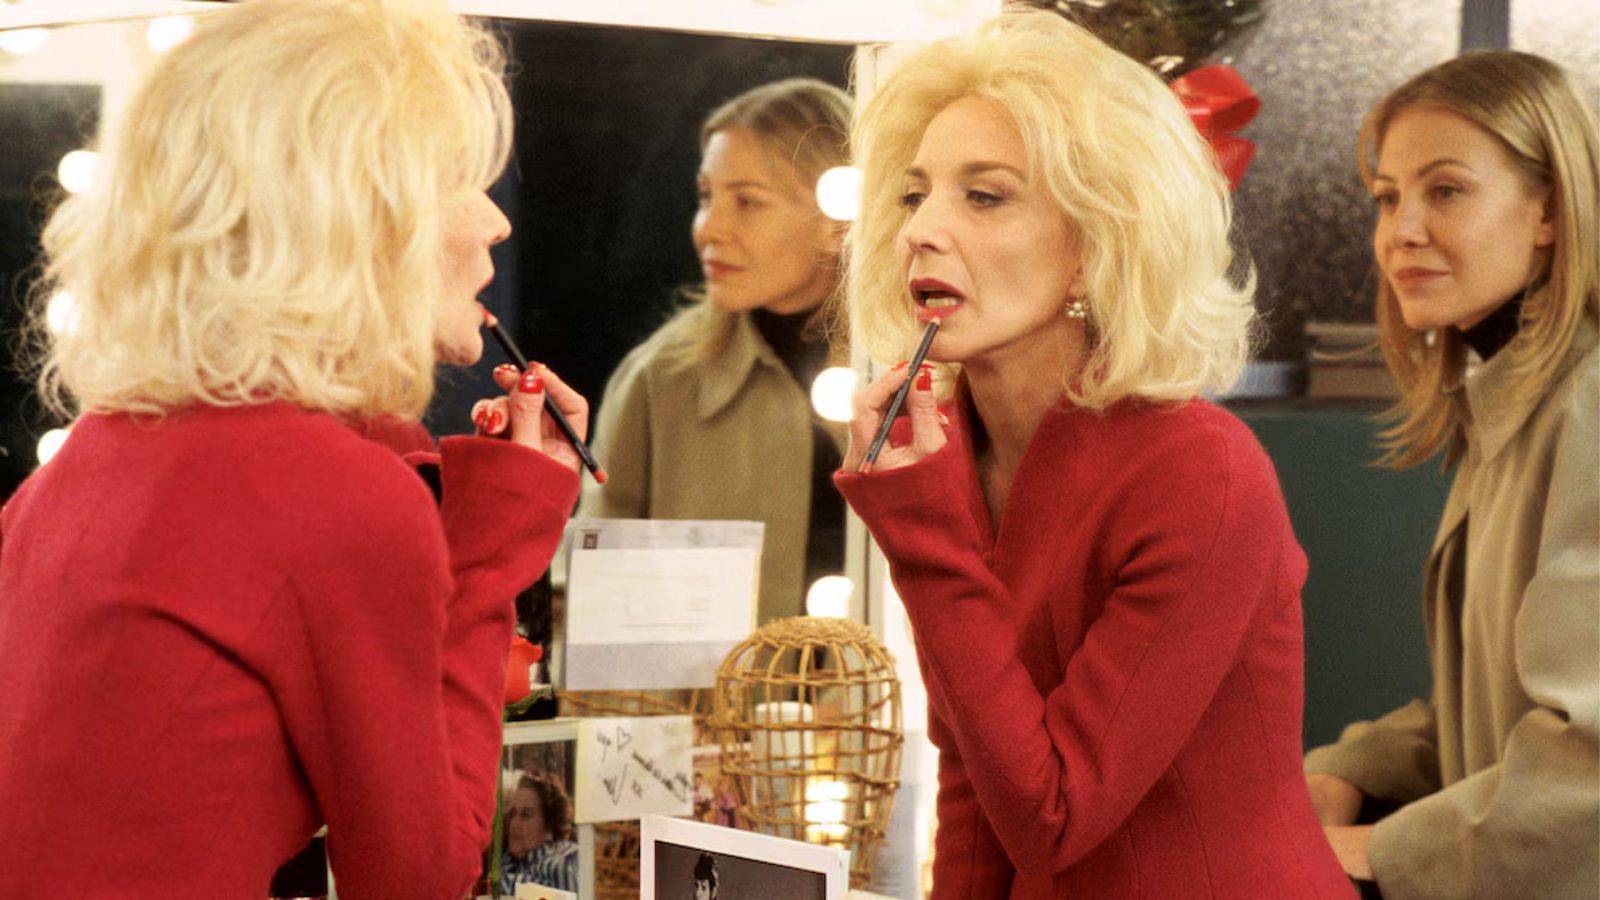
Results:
<point x="934" y="298"/>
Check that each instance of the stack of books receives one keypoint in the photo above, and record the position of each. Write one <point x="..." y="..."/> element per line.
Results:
<point x="1343" y="362"/>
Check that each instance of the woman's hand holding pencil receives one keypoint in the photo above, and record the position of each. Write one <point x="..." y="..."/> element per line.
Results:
<point x="521" y="415"/>
<point x="568" y="411"/>
<point x="908" y="386"/>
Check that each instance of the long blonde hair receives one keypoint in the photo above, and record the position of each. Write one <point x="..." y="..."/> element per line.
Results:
<point x="1121" y="159"/>
<point x="265" y="224"/>
<point x="1531" y="106"/>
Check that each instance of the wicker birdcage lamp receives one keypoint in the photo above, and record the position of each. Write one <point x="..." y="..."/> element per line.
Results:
<point x="807" y="711"/>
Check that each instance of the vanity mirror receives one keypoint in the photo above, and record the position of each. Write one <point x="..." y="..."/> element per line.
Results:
<point x="601" y="192"/>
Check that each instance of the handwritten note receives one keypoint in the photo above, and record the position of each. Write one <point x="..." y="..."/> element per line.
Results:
<point x="628" y="768"/>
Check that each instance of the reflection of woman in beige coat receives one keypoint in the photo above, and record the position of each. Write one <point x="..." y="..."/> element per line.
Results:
<point x="710" y="417"/>
<point x="1484" y="170"/>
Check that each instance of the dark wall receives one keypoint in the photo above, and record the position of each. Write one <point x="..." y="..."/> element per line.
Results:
<point x="38" y="125"/>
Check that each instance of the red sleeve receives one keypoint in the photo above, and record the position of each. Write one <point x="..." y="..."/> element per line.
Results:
<point x="393" y="704"/>
<point x="1058" y="771"/>
<point x="968" y="861"/>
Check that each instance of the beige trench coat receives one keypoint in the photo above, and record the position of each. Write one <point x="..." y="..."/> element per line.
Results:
<point x="727" y="439"/>
<point x="1500" y="769"/>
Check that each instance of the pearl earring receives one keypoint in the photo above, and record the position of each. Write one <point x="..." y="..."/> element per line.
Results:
<point x="1076" y="309"/>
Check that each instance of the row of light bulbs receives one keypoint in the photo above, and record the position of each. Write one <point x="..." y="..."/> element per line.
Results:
<point x="162" y="34"/>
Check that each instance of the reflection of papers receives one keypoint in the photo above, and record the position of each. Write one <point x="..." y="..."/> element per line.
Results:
<point x="655" y="604"/>
<point x="628" y="768"/>
<point x="660" y="595"/>
<point x="611" y="534"/>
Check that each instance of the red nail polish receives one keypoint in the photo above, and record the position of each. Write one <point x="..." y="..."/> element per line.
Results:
<point x="532" y="382"/>
<point x="900" y="365"/>
<point x="506" y="367"/>
<point x="495" y="420"/>
<point x="924" y="379"/>
<point x="480" y="415"/>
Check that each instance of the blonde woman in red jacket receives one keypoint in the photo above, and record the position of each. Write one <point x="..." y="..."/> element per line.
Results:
<point x="1097" y="565"/>
<point x="226" y="617"/>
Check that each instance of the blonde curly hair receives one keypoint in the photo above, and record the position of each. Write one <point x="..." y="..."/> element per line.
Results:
<point x="1114" y="148"/>
<point x="265" y="224"/>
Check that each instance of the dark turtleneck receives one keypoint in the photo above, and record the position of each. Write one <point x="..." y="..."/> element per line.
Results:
<point x="802" y="349"/>
<point x="1496" y="331"/>
<point x="804" y="352"/>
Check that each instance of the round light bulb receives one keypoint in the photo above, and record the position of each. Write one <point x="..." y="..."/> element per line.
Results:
<point x="831" y="393"/>
<point x="76" y="170"/>
<point x="61" y="313"/>
<point x="49" y="443"/>
<point x="839" y="193"/>
<point x="829" y="597"/>
<point x="22" y="41"/>
<point x="167" y="32"/>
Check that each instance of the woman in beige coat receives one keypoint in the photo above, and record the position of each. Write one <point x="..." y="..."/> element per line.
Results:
<point x="710" y="417"/>
<point x="1484" y="172"/>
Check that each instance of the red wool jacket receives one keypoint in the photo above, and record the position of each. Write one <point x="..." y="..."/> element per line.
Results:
<point x="1115" y="678"/>
<point x="226" y="627"/>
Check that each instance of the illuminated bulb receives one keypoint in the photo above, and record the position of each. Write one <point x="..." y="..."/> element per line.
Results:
<point x="22" y="41"/>
<point x="829" y="597"/>
<point x="76" y="170"/>
<point x="167" y="32"/>
<point x="839" y="193"/>
<point x="831" y="393"/>
<point x="49" y="443"/>
<point x="827" y="789"/>
<point x="60" y="314"/>
<point x="826" y="812"/>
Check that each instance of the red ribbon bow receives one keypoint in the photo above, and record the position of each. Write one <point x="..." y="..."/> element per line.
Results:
<point x="1219" y="102"/>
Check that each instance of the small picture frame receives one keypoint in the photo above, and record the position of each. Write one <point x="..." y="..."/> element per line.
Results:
<point x="677" y="856"/>
<point x="540" y="842"/>
<point x="715" y="793"/>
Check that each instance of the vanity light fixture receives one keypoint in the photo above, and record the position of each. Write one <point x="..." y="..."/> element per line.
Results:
<point x="839" y="193"/>
<point x="166" y="32"/>
<point x="831" y="392"/>
<point x="50" y="442"/>
<point x="60" y="316"/>
<point x="22" y="41"/>
<point x="829" y="597"/>
<point x="76" y="170"/>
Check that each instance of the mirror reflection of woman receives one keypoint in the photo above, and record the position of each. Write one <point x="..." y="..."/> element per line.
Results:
<point x="1097" y="564"/>
<point x="218" y="581"/>
<point x="539" y="848"/>
<point x="1485" y="171"/>
<point x="710" y="417"/>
